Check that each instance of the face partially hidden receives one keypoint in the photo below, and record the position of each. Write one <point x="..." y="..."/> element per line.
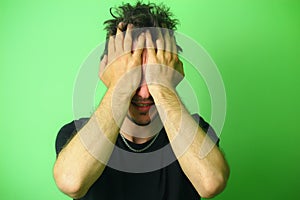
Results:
<point x="142" y="100"/>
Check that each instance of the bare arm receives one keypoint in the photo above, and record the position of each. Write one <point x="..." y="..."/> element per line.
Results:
<point x="208" y="173"/>
<point x="83" y="159"/>
<point x="76" y="169"/>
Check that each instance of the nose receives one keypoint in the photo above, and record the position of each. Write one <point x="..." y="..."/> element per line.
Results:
<point x="143" y="90"/>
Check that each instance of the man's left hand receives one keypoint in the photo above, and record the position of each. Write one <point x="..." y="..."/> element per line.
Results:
<point x="163" y="65"/>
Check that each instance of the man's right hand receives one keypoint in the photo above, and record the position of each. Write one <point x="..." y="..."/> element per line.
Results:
<point x="122" y="60"/>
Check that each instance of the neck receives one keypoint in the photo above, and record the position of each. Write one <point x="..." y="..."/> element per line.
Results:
<point x="134" y="139"/>
<point x="141" y="134"/>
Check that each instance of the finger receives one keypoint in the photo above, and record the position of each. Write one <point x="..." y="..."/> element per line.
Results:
<point x="128" y="39"/>
<point x="179" y="67"/>
<point x="164" y="31"/>
<point x="167" y="39"/>
<point x="168" y="45"/>
<point x="149" y="44"/>
<point x="102" y="66"/>
<point x="159" y="42"/>
<point x="111" y="48"/>
<point x="173" y="45"/>
<point x="139" y="46"/>
<point x="119" y="38"/>
<point x="178" y="76"/>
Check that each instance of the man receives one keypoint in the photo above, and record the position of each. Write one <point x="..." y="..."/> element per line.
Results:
<point x="141" y="69"/>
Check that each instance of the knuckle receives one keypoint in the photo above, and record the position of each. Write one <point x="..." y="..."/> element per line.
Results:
<point x="160" y="56"/>
<point x="159" y="42"/>
<point x="168" y="57"/>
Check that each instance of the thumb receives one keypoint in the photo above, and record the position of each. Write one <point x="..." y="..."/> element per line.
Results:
<point x="102" y="66"/>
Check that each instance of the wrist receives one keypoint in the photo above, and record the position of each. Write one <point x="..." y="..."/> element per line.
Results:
<point x="164" y="96"/>
<point x="161" y="90"/>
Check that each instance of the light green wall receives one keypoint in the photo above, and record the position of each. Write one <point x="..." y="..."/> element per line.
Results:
<point x="254" y="43"/>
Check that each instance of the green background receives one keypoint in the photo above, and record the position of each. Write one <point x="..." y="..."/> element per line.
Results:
<point x="254" y="43"/>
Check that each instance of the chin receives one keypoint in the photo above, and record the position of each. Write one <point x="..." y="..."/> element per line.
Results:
<point x="142" y="120"/>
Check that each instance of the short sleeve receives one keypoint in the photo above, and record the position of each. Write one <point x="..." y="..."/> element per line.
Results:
<point x="67" y="132"/>
<point x="207" y="128"/>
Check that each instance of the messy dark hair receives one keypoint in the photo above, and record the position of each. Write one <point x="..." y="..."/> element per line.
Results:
<point x="140" y="15"/>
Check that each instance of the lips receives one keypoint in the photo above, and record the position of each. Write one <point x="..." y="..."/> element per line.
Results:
<point x="143" y="106"/>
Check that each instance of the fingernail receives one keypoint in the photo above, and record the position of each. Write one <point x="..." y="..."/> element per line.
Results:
<point x="129" y="25"/>
<point x="120" y="25"/>
<point x="142" y="36"/>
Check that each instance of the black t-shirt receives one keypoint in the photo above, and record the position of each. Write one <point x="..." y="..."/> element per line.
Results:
<point x="165" y="183"/>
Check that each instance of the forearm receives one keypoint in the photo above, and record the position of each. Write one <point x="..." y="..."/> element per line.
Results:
<point x="189" y="142"/>
<point x="83" y="159"/>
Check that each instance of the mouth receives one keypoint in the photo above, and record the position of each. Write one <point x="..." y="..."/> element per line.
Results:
<point x="142" y="106"/>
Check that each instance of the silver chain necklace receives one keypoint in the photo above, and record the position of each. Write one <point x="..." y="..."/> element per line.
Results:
<point x="139" y="150"/>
